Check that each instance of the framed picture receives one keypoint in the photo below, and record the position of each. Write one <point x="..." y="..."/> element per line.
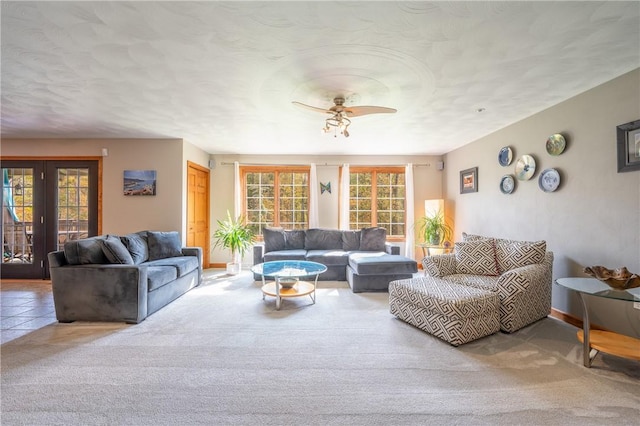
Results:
<point x="469" y="180"/>
<point x="628" y="146"/>
<point x="139" y="182"/>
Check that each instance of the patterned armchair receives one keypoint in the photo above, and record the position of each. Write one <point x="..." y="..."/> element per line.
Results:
<point x="520" y="272"/>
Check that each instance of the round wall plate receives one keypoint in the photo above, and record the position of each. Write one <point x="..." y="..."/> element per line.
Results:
<point x="556" y="144"/>
<point x="507" y="184"/>
<point x="505" y="156"/>
<point x="549" y="180"/>
<point x="525" y="167"/>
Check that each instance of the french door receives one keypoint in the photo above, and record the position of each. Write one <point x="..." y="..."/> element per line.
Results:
<point x="45" y="204"/>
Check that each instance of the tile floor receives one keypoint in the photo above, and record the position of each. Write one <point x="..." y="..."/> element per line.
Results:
<point x="24" y="306"/>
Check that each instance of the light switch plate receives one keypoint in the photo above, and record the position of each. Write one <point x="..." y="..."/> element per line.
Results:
<point x="636" y="305"/>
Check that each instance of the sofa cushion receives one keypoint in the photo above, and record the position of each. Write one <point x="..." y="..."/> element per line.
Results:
<point x="439" y="265"/>
<point x="323" y="239"/>
<point x="329" y="257"/>
<point x="476" y="257"/>
<point x="373" y="239"/>
<point x="294" y="239"/>
<point x="115" y="250"/>
<point x="164" y="244"/>
<point x="273" y="239"/>
<point x="285" y="255"/>
<point x="85" y="251"/>
<point x="158" y="276"/>
<point x="484" y="282"/>
<point x="182" y="264"/>
<point x="368" y="263"/>
<point x="515" y="254"/>
<point x="137" y="246"/>
<point x="350" y="240"/>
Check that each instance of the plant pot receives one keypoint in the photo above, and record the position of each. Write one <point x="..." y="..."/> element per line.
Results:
<point x="234" y="268"/>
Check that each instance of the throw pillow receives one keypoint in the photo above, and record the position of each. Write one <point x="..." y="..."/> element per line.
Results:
<point x="439" y="265"/>
<point x="350" y="240"/>
<point x="294" y="240"/>
<point x="164" y="244"/>
<point x="137" y="246"/>
<point x="323" y="239"/>
<point x="515" y="254"/>
<point x="273" y="239"/>
<point x="85" y="251"/>
<point x="373" y="239"/>
<point x="476" y="257"/>
<point x="115" y="250"/>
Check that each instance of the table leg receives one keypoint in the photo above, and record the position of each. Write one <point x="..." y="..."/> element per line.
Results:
<point x="278" y="298"/>
<point x="587" y="357"/>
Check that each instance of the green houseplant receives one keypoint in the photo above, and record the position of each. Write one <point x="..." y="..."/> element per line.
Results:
<point x="237" y="237"/>
<point x="434" y="229"/>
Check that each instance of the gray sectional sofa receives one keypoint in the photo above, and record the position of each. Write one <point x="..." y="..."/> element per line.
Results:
<point x="111" y="278"/>
<point x="362" y="258"/>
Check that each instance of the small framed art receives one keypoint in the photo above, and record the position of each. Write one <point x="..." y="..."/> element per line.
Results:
<point x="139" y="182"/>
<point x="628" y="146"/>
<point x="469" y="180"/>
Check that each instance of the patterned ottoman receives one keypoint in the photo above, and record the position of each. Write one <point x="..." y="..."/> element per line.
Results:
<point x="455" y="313"/>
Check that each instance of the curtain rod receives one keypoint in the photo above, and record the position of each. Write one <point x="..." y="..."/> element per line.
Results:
<point x="226" y="163"/>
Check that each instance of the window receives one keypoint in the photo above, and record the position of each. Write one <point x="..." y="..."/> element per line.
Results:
<point x="377" y="198"/>
<point x="276" y="196"/>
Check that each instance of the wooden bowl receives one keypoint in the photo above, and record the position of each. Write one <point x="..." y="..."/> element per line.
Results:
<point x="619" y="279"/>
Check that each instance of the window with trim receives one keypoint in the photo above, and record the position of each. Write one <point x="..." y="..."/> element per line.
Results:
<point x="377" y="198"/>
<point x="276" y="196"/>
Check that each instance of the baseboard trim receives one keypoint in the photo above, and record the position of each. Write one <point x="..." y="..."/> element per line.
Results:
<point x="571" y="319"/>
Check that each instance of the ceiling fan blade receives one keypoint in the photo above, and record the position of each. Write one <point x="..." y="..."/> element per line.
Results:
<point x="356" y="111"/>
<point x="312" y="108"/>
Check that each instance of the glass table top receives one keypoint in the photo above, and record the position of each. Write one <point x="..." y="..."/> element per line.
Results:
<point x="288" y="268"/>
<point x="597" y="288"/>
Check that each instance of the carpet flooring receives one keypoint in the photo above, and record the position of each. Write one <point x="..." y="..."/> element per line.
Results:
<point x="220" y="355"/>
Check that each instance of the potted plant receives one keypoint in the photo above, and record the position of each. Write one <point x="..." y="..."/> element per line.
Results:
<point x="236" y="236"/>
<point x="434" y="230"/>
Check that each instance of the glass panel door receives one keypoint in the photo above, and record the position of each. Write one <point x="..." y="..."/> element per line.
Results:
<point x="72" y="204"/>
<point x="21" y="220"/>
<point x="44" y="205"/>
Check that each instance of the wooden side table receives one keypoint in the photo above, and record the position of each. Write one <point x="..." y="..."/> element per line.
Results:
<point x="430" y="249"/>
<point x="600" y="340"/>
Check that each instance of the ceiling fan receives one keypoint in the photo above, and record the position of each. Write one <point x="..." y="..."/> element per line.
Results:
<point x="340" y="114"/>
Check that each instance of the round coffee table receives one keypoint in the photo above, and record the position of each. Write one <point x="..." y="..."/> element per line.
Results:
<point x="287" y="274"/>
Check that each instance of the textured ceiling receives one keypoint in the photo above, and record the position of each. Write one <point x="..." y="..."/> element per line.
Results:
<point x="222" y="75"/>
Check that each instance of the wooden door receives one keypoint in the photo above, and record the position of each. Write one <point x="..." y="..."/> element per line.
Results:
<point x="198" y="209"/>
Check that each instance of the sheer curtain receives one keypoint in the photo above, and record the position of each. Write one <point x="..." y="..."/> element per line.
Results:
<point x="237" y="197"/>
<point x="343" y="222"/>
<point x="409" y="232"/>
<point x="314" y="219"/>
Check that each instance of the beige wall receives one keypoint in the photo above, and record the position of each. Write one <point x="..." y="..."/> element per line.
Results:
<point x="123" y="214"/>
<point x="592" y="219"/>
<point x="427" y="183"/>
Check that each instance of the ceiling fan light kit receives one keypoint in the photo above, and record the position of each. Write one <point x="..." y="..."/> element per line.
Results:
<point x="340" y="114"/>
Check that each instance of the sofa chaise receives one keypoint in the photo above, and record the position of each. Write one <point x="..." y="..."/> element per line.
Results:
<point x="111" y="278"/>
<point x="362" y="258"/>
<point x="484" y="286"/>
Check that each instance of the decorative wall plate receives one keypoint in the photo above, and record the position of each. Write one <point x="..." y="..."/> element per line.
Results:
<point x="556" y="144"/>
<point x="505" y="156"/>
<point x="525" y="167"/>
<point x="507" y="184"/>
<point x="549" y="180"/>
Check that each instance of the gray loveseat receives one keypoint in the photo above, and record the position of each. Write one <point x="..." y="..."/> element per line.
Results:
<point x="111" y="278"/>
<point x="362" y="258"/>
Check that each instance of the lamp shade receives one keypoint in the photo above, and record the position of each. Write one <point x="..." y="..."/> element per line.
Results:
<point x="432" y="207"/>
